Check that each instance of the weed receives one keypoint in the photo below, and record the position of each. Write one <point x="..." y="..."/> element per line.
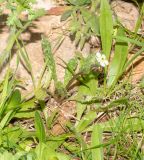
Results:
<point x="108" y="121"/>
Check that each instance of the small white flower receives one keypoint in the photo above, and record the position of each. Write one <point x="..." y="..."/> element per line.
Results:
<point x="101" y="58"/>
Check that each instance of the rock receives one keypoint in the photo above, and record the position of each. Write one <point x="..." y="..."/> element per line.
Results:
<point x="126" y="12"/>
<point x="53" y="29"/>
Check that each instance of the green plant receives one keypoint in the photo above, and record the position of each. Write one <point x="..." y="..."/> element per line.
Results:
<point x="94" y="21"/>
<point x="16" y="24"/>
<point x="108" y="121"/>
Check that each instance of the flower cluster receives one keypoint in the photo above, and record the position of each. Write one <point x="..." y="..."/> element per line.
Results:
<point x="101" y="58"/>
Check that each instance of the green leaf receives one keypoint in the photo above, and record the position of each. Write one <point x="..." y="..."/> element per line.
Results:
<point x="71" y="67"/>
<point x="118" y="61"/>
<point x="85" y="121"/>
<point x="78" y="2"/>
<point x="96" y="139"/>
<point x="45" y="152"/>
<point x="60" y="90"/>
<point x="49" y="59"/>
<point x="126" y="39"/>
<point x="6" y="156"/>
<point x="142" y="83"/>
<point x="75" y="26"/>
<point x="51" y="119"/>
<point x="66" y="15"/>
<point x="4" y="94"/>
<point x="25" y="114"/>
<point x="40" y="94"/>
<point x="6" y="119"/>
<point x="87" y="63"/>
<point x="34" y="14"/>
<point x="28" y="104"/>
<point x="25" y="59"/>
<point x="91" y="20"/>
<point x="40" y="131"/>
<point x="80" y="108"/>
<point x="106" y="27"/>
<point x="14" y="100"/>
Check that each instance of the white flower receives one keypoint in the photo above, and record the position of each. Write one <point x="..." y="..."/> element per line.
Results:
<point x="101" y="58"/>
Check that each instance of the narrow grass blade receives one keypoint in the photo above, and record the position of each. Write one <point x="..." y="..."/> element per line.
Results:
<point x="7" y="51"/>
<point x="139" y="52"/>
<point x="106" y="27"/>
<point x="96" y="139"/>
<point x="40" y="131"/>
<point x="129" y="40"/>
<point x="132" y="124"/>
<point x="51" y="119"/>
<point x="118" y="61"/>
<point x="4" y="93"/>
<point x="6" y="119"/>
<point x="11" y="40"/>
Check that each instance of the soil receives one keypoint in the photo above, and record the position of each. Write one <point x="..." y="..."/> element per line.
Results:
<point x="51" y="26"/>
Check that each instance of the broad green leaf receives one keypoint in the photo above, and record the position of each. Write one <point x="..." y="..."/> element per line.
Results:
<point x="6" y="156"/>
<point x="15" y="100"/>
<point x="40" y="130"/>
<point x="106" y="27"/>
<point x="118" y="61"/>
<point x="28" y="104"/>
<point x="96" y="139"/>
<point x="45" y="152"/>
<point x="86" y="91"/>
<point x="12" y="135"/>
